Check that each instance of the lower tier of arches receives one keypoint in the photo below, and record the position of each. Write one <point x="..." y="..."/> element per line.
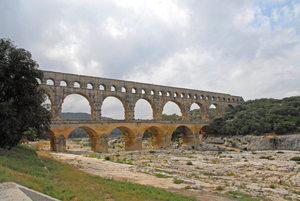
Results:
<point x="132" y="131"/>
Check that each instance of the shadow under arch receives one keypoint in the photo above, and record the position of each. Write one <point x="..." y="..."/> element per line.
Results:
<point x="203" y="112"/>
<point x="87" y="98"/>
<point x="126" y="115"/>
<point x="131" y="140"/>
<point x="183" y="113"/>
<point x="154" y="110"/>
<point x="159" y="137"/>
<point x="52" y="139"/>
<point x="187" y="136"/>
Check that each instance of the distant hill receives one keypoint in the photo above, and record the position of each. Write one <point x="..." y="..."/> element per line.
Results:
<point x="78" y="116"/>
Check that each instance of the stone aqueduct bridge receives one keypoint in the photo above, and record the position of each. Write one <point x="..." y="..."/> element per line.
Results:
<point x="59" y="85"/>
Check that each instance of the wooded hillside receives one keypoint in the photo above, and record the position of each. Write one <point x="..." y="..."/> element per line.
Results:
<point x="259" y="117"/>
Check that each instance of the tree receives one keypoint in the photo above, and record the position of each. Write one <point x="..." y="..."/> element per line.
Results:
<point x="21" y="98"/>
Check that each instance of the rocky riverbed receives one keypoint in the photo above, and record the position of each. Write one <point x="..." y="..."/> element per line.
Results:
<point x="224" y="170"/>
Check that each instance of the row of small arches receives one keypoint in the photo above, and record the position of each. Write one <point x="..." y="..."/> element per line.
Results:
<point x="144" y="91"/>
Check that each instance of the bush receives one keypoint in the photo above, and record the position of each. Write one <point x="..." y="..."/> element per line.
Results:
<point x="107" y="158"/>
<point x="272" y="186"/>
<point x="296" y="158"/>
<point x="219" y="188"/>
<point x="189" y="163"/>
<point x="152" y="152"/>
<point x="230" y="173"/>
<point x="177" y="181"/>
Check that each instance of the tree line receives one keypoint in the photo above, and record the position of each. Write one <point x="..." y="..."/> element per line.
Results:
<point x="260" y="116"/>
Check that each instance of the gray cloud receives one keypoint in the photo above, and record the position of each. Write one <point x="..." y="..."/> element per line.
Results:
<point x="246" y="48"/>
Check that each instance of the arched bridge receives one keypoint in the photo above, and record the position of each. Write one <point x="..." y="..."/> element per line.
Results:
<point x="59" y="85"/>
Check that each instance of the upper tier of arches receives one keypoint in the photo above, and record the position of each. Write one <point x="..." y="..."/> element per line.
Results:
<point x="95" y="90"/>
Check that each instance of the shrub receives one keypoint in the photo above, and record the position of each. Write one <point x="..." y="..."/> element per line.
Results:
<point x="230" y="173"/>
<point x="189" y="163"/>
<point x="296" y="158"/>
<point x="107" y="158"/>
<point x="219" y="188"/>
<point x="177" y="181"/>
<point x="280" y="152"/>
<point x="152" y="152"/>
<point x="272" y="186"/>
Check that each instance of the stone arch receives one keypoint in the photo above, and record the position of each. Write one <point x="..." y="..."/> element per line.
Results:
<point x="219" y="109"/>
<point x="154" y="110"/>
<point x="50" y="82"/>
<point x="52" y="140"/>
<point x="159" y="138"/>
<point x="181" y="108"/>
<point x="187" y="136"/>
<point x="87" y="98"/>
<point x="63" y="83"/>
<point x="77" y="85"/>
<point x="202" y="109"/>
<point x="130" y="138"/>
<point x="102" y="87"/>
<point x="124" y="89"/>
<point x="90" y="86"/>
<point x="126" y="112"/>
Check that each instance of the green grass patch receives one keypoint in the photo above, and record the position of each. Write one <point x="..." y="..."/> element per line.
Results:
<point x="161" y="176"/>
<point x="64" y="182"/>
<point x="241" y="196"/>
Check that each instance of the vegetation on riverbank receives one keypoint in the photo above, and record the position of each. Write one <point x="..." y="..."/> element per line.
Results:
<point x="22" y="165"/>
<point x="259" y="117"/>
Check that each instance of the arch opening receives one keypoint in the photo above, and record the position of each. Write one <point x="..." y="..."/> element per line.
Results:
<point x="123" y="89"/>
<point x="173" y="111"/>
<point x="89" y="86"/>
<point x="49" y="82"/>
<point x="113" y="108"/>
<point x="197" y="112"/>
<point x="63" y="83"/>
<point x="123" y="138"/>
<point x="144" y="109"/>
<point x="38" y="81"/>
<point x="81" y="139"/>
<point x="183" y="136"/>
<point x="214" y="111"/>
<point x="77" y="107"/>
<point x="102" y="87"/>
<point x="76" y="85"/>
<point x="112" y="88"/>
<point x="154" y="137"/>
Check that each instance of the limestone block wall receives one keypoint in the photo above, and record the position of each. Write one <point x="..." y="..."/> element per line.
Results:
<point x="59" y="85"/>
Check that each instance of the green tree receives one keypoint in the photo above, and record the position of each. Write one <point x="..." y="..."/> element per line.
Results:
<point x="21" y="98"/>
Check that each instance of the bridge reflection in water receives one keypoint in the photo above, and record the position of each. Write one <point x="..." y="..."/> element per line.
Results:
<point x="59" y="85"/>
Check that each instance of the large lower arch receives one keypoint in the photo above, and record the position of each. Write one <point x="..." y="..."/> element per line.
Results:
<point x="160" y="139"/>
<point x="87" y="98"/>
<point x="126" y="112"/>
<point x="154" y="110"/>
<point x="187" y="136"/>
<point x="181" y="108"/>
<point x="132" y="142"/>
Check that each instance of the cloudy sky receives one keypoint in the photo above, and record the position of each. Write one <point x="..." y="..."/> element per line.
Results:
<point x="247" y="48"/>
